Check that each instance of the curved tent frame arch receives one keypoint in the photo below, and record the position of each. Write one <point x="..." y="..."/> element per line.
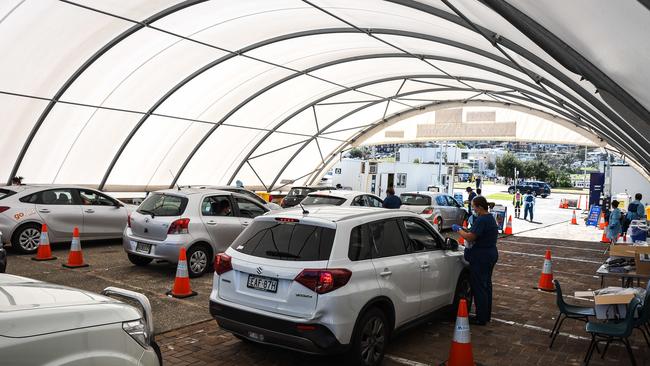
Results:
<point x="613" y="120"/>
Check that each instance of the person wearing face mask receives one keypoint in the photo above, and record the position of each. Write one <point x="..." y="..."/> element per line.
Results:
<point x="482" y="257"/>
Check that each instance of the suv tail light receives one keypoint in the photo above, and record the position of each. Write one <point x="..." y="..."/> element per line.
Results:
<point x="4" y="208"/>
<point x="222" y="263"/>
<point x="128" y="220"/>
<point x="322" y="281"/>
<point x="179" y="226"/>
<point x="427" y="211"/>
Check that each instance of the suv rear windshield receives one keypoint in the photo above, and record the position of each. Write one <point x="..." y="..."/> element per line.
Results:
<point x="300" y="191"/>
<point x="415" y="199"/>
<point x="323" y="200"/>
<point x="286" y="241"/>
<point x="4" y="193"/>
<point x="159" y="204"/>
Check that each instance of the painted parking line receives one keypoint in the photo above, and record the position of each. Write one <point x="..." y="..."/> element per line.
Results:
<point x="554" y="271"/>
<point x="538" y="290"/>
<point x="404" y="361"/>
<point x="550" y="245"/>
<point x="539" y="329"/>
<point x="554" y="258"/>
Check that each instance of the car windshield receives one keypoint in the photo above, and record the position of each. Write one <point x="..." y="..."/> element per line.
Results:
<point x="4" y="193"/>
<point x="286" y="240"/>
<point x="410" y="199"/>
<point x="299" y="191"/>
<point x="159" y="204"/>
<point x="322" y="200"/>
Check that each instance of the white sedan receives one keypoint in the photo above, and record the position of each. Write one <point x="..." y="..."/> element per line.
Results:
<point x="342" y="198"/>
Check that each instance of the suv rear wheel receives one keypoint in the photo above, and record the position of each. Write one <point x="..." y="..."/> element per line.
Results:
<point x="370" y="339"/>
<point x="198" y="260"/>
<point x="26" y="238"/>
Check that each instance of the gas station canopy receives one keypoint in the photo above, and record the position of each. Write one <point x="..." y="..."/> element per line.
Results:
<point x="150" y="93"/>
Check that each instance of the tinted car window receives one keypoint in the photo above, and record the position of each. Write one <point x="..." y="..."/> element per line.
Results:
<point x="415" y="199"/>
<point x="62" y="196"/>
<point x="452" y="202"/>
<point x="300" y="191"/>
<point x="387" y="238"/>
<point x="360" y="244"/>
<point x="95" y="199"/>
<point x="322" y="200"/>
<point x="248" y="208"/>
<point x="247" y="193"/>
<point x="159" y="204"/>
<point x="287" y="241"/>
<point x="359" y="201"/>
<point x="216" y="206"/>
<point x="4" y="193"/>
<point x="420" y="237"/>
<point x="374" y="201"/>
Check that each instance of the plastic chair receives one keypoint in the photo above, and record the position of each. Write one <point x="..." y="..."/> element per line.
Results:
<point x="613" y="332"/>
<point x="581" y="313"/>
<point x="641" y="323"/>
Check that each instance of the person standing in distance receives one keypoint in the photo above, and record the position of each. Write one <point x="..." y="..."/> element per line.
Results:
<point x="635" y="211"/>
<point x="482" y="257"/>
<point x="529" y="204"/>
<point x="392" y="201"/>
<point x="470" y="196"/>
<point x="517" y="201"/>
<point x="614" y="228"/>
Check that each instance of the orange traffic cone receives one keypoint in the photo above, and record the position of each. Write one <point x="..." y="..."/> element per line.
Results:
<point x="579" y="201"/>
<point x="460" y="353"/>
<point x="604" y="239"/>
<point x="574" y="220"/>
<point x="461" y="240"/>
<point x="181" y="287"/>
<point x="44" y="252"/>
<point x="601" y="223"/>
<point x="561" y="203"/>
<point x="546" y="279"/>
<point x="75" y="257"/>
<point x="508" y="230"/>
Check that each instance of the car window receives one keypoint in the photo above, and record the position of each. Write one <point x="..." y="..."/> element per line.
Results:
<point x="312" y="200"/>
<point x="62" y="196"/>
<point x="300" y="191"/>
<point x="248" y="208"/>
<point x="387" y="239"/>
<point x="93" y="198"/>
<point x="374" y="201"/>
<point x="359" y="201"/>
<point x="4" y="193"/>
<point x="412" y="199"/>
<point x="360" y="244"/>
<point x="441" y="201"/>
<point x="216" y="206"/>
<point x="292" y="241"/>
<point x="452" y="202"/>
<point x="160" y="204"/>
<point x="252" y="195"/>
<point x="421" y="238"/>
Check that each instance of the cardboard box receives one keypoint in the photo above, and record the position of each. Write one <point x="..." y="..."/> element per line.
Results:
<point x="612" y="306"/>
<point x="642" y="259"/>
<point x="622" y="250"/>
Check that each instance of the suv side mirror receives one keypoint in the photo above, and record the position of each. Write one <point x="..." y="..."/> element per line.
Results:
<point x="450" y="244"/>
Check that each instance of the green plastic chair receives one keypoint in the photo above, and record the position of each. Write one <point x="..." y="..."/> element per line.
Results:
<point x="642" y="322"/>
<point x="581" y="313"/>
<point x="613" y="332"/>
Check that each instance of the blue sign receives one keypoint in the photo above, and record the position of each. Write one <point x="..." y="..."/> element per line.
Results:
<point x="594" y="214"/>
<point x="596" y="184"/>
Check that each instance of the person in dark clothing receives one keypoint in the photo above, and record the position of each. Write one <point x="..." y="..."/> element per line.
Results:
<point x="471" y="195"/>
<point x="482" y="257"/>
<point x="392" y="201"/>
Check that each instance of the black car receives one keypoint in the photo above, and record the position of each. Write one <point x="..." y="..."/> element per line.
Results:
<point x="537" y="188"/>
<point x="298" y="193"/>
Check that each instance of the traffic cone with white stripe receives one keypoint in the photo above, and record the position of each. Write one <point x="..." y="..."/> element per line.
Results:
<point x="75" y="257"/>
<point x="546" y="279"/>
<point x="574" y="220"/>
<point x="44" y="252"/>
<point x="460" y="353"/>
<point x="508" y="230"/>
<point x="601" y="222"/>
<point x="604" y="239"/>
<point x="461" y="240"/>
<point x="181" y="287"/>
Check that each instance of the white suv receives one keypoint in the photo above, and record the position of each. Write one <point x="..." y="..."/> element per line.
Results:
<point x="335" y="279"/>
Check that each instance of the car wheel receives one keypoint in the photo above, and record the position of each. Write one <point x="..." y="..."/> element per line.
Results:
<point x="26" y="239"/>
<point x="198" y="260"/>
<point x="534" y="194"/>
<point x="544" y="196"/>
<point x="156" y="348"/>
<point x="463" y="291"/>
<point x="138" y="260"/>
<point x="511" y="191"/>
<point x="370" y="339"/>
<point x="439" y="227"/>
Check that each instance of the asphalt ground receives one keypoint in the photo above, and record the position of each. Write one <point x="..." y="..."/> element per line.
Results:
<point x="518" y="334"/>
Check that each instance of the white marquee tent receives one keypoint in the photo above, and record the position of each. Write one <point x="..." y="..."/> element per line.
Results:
<point x="149" y="93"/>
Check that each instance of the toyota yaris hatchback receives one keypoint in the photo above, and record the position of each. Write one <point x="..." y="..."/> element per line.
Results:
<point x="336" y="279"/>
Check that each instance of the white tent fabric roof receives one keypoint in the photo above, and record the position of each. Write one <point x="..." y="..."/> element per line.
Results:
<point x="149" y="93"/>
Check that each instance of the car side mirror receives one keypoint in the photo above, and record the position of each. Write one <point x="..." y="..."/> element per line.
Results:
<point x="450" y="244"/>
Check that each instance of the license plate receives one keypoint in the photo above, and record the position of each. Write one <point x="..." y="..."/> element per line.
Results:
<point x="262" y="283"/>
<point x="143" y="248"/>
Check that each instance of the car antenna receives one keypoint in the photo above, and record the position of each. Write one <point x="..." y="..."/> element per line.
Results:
<point x="304" y="212"/>
<point x="173" y="179"/>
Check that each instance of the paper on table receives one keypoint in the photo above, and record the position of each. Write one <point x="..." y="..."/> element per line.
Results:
<point x="584" y="294"/>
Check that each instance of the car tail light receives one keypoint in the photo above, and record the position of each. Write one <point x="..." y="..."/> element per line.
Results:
<point x="427" y="211"/>
<point x="179" y="226"/>
<point x="128" y="220"/>
<point x="4" y="208"/>
<point x="286" y="219"/>
<point x="270" y="198"/>
<point x="222" y="263"/>
<point x="322" y="281"/>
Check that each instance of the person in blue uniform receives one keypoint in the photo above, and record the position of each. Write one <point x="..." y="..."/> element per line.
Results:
<point x="614" y="229"/>
<point x="482" y="257"/>
<point x="392" y="201"/>
<point x="635" y="211"/>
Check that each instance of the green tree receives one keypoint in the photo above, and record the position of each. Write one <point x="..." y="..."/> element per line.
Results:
<point x="490" y="165"/>
<point x="356" y="153"/>
<point x="506" y="165"/>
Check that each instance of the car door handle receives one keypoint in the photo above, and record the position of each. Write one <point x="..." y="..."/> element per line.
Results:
<point x="90" y="210"/>
<point x="425" y="266"/>
<point x="244" y="224"/>
<point x="386" y="273"/>
<point x="44" y="210"/>
<point x="211" y="223"/>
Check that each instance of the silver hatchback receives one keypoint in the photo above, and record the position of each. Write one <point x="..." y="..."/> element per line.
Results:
<point x="203" y="221"/>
